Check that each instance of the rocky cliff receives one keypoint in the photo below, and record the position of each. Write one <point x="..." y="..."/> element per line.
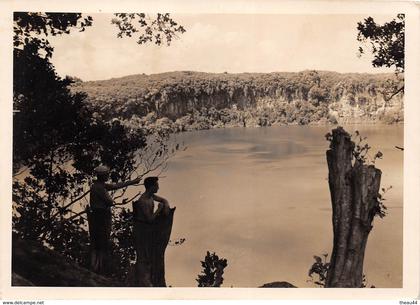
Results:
<point x="346" y="97"/>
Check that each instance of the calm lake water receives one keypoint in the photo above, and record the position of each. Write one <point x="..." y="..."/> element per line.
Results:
<point x="259" y="197"/>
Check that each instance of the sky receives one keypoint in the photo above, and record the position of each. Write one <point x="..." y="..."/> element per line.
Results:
<point x="218" y="43"/>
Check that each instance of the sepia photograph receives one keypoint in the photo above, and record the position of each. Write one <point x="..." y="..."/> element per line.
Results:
<point x="196" y="150"/>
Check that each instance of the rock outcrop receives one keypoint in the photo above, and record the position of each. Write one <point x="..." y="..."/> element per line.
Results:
<point x="35" y="265"/>
<point x="17" y="280"/>
<point x="278" y="285"/>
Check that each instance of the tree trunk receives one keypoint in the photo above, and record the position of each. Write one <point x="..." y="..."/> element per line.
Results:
<point x="354" y="189"/>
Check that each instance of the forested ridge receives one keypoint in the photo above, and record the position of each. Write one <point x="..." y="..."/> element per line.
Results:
<point x="199" y="100"/>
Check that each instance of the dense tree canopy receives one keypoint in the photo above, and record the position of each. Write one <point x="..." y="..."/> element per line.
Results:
<point x="47" y="114"/>
<point x="58" y="140"/>
<point x="31" y="29"/>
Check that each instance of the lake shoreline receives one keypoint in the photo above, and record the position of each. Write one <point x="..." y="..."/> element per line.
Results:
<point x="151" y="123"/>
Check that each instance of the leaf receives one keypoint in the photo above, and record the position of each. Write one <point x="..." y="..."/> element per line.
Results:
<point x="318" y="259"/>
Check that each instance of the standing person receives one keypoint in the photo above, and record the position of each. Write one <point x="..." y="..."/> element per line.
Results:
<point x="152" y="230"/>
<point x="100" y="217"/>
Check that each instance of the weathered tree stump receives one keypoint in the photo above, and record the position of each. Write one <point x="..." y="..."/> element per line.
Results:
<point x="354" y="188"/>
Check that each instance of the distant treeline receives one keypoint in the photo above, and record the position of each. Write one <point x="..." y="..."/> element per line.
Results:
<point x="197" y="100"/>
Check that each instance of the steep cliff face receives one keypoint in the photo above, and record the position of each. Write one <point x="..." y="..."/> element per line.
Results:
<point x="360" y="108"/>
<point x="178" y="106"/>
<point x="349" y="97"/>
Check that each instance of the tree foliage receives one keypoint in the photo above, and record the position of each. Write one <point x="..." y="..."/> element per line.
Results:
<point x="47" y="114"/>
<point x="31" y="29"/>
<point x="57" y="142"/>
<point x="157" y="30"/>
<point x="46" y="110"/>
<point x="386" y="41"/>
<point x="319" y="270"/>
<point x="213" y="268"/>
<point x="387" y="46"/>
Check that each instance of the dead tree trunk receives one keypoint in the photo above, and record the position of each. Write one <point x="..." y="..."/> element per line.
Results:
<point x="354" y="188"/>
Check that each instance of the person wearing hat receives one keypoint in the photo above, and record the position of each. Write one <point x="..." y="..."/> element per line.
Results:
<point x="100" y="217"/>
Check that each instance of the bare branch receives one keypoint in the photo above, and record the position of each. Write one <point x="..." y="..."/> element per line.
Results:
<point x="393" y="94"/>
<point x="21" y="172"/>
<point x="71" y="203"/>
<point x="76" y="215"/>
<point x="134" y="197"/>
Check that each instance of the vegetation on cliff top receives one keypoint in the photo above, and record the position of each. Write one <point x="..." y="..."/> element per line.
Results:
<point x="245" y="99"/>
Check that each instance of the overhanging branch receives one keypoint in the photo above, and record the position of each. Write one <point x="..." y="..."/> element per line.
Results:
<point x="393" y="94"/>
